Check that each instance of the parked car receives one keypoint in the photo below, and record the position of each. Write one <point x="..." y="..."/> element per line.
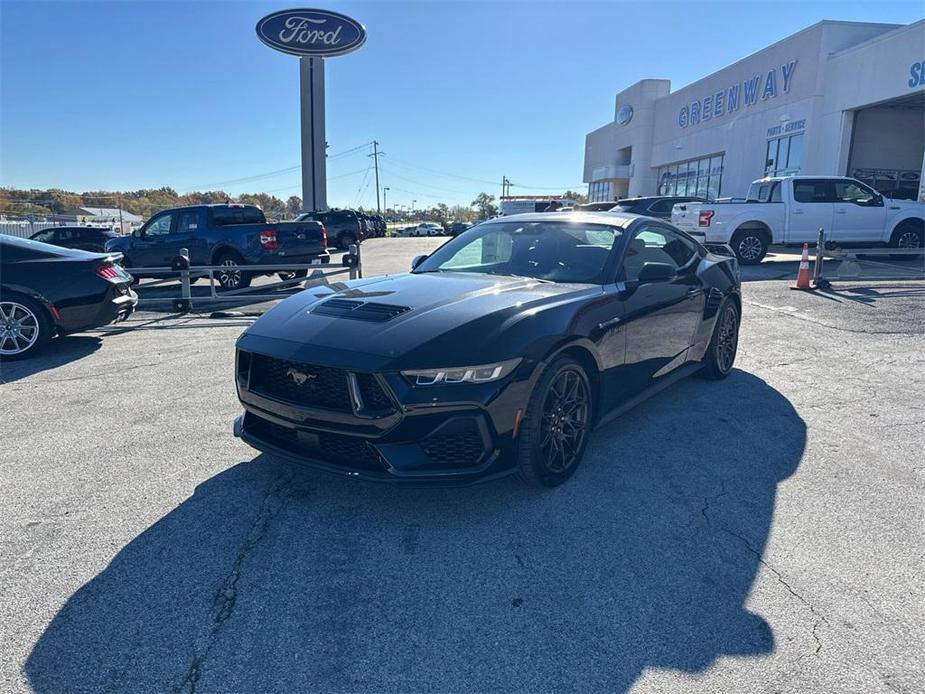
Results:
<point x="231" y="235"/>
<point x="595" y="206"/>
<point x="344" y="227"/>
<point x="456" y="228"/>
<point x="654" y="206"/>
<point x="498" y="353"/>
<point x="83" y="238"/>
<point x="48" y="290"/>
<point x="428" y="229"/>
<point x="790" y="210"/>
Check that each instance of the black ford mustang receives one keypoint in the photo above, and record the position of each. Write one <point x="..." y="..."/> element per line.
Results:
<point x="498" y="353"/>
<point x="47" y="290"/>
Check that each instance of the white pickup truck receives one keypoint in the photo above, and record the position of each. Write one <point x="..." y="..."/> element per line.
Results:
<point x="790" y="210"/>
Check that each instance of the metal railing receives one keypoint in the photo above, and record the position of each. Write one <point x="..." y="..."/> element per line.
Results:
<point x="850" y="260"/>
<point x="317" y="274"/>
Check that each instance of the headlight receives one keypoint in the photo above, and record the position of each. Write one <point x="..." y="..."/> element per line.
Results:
<point x="484" y="373"/>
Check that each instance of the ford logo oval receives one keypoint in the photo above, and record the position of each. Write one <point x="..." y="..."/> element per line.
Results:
<point x="317" y="33"/>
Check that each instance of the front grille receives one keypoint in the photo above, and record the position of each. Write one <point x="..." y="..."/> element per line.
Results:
<point x="457" y="444"/>
<point x="303" y="384"/>
<point x="346" y="451"/>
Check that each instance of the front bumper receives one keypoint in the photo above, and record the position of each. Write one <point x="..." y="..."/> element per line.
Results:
<point x="450" y="435"/>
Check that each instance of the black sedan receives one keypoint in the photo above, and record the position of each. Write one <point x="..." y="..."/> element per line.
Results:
<point x="498" y="353"/>
<point x="47" y="290"/>
<point x="83" y="238"/>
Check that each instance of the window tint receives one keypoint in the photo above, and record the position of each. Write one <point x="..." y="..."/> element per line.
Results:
<point x="68" y="235"/>
<point x="189" y="222"/>
<point x="555" y="251"/>
<point x="159" y="225"/>
<point x="45" y="236"/>
<point x="662" y="206"/>
<point x="223" y="216"/>
<point x="811" y="191"/>
<point x="849" y="191"/>
<point x="656" y="245"/>
<point x="775" y="193"/>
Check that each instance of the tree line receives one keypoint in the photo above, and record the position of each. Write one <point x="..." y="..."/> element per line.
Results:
<point x="147" y="201"/>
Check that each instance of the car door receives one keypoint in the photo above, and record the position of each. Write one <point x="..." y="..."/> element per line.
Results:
<point x="187" y="234"/>
<point x="148" y="248"/>
<point x="812" y="207"/>
<point x="660" y="317"/>
<point x="860" y="215"/>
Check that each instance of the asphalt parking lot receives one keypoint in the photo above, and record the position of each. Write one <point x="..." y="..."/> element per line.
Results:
<point x="780" y="549"/>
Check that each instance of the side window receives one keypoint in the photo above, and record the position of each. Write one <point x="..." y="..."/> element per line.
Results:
<point x="852" y="191"/>
<point x="46" y="236"/>
<point x="662" y="206"/>
<point x="656" y="245"/>
<point x="811" y="191"/>
<point x="159" y="226"/>
<point x="189" y="223"/>
<point x="68" y="235"/>
<point x="775" y="193"/>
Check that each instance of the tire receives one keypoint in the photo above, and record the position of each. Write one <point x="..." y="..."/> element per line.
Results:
<point x="25" y="327"/>
<point x="541" y="461"/>
<point x="345" y="239"/>
<point x="750" y="245"/>
<point x="234" y="277"/>
<point x="721" y="353"/>
<point x="908" y="234"/>
<point x="295" y="274"/>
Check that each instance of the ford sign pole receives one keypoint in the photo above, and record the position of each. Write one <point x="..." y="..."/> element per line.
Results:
<point x="312" y="35"/>
<point x="314" y="159"/>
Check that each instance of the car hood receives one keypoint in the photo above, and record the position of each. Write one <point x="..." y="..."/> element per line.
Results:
<point x="905" y="204"/>
<point x="435" y="318"/>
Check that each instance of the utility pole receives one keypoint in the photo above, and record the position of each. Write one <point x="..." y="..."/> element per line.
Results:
<point x="375" y="156"/>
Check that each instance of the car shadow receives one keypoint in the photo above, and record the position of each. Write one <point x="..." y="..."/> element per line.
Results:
<point x="274" y="578"/>
<point x="58" y="352"/>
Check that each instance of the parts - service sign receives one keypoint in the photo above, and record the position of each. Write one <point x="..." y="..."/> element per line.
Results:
<point x="311" y="32"/>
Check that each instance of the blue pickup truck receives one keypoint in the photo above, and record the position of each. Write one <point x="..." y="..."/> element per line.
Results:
<point x="231" y="235"/>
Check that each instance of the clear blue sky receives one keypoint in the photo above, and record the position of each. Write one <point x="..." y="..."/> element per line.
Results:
<point x="128" y="95"/>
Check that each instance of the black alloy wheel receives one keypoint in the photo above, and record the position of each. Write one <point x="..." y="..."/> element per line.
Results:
<point x="721" y="354"/>
<point x="556" y="426"/>
<point x="750" y="246"/>
<point x="231" y="276"/>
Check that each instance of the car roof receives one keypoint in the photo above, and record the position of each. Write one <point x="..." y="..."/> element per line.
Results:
<point x="617" y="219"/>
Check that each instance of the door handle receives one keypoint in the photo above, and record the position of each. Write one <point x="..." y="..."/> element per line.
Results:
<point x="796" y="212"/>
<point x="841" y="211"/>
<point x="608" y="324"/>
<point x="691" y="293"/>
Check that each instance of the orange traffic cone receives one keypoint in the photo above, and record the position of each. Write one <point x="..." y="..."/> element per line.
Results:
<point x="803" y="272"/>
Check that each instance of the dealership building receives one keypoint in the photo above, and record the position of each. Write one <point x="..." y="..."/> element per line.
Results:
<point x="837" y="98"/>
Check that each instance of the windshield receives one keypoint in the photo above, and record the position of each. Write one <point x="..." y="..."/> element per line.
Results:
<point x="553" y="251"/>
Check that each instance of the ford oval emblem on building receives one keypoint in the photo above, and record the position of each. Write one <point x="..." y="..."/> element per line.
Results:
<point x="318" y="33"/>
<point x="625" y="114"/>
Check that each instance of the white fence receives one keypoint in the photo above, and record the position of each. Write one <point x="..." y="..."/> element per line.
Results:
<point x="24" y="229"/>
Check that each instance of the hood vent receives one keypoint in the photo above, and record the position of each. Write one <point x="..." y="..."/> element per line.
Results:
<point x="359" y="310"/>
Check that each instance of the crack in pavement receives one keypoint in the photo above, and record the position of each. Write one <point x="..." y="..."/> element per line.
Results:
<point x="820" y="618"/>
<point x="224" y="600"/>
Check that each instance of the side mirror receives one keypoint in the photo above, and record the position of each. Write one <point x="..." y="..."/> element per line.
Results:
<point x="418" y="259"/>
<point x="656" y="272"/>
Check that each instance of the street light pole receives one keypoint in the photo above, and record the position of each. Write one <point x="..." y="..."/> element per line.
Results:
<point x="385" y="204"/>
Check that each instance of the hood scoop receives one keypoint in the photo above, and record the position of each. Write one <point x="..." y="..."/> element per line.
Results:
<point x="359" y="310"/>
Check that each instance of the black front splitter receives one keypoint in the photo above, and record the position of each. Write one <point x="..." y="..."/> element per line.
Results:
<point x="384" y="477"/>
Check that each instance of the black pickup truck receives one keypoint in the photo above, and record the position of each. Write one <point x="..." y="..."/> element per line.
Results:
<point x="229" y="235"/>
